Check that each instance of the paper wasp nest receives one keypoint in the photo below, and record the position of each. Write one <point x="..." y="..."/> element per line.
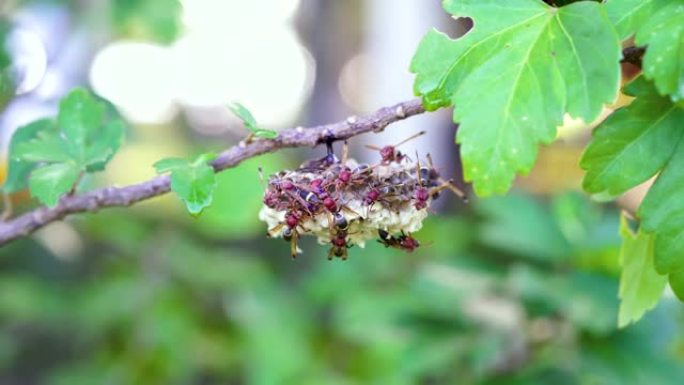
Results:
<point x="344" y="203"/>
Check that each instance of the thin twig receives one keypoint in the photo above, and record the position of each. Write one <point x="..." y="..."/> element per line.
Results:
<point x="126" y="196"/>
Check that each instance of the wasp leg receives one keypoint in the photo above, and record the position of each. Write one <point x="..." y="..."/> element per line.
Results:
<point x="271" y="232"/>
<point x="293" y="244"/>
<point x="410" y="138"/>
<point x="449" y="185"/>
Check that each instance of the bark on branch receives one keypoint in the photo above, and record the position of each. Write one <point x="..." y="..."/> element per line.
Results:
<point x="125" y="196"/>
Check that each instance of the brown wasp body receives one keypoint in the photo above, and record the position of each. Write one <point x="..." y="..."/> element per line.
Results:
<point x="402" y="242"/>
<point x="339" y="245"/>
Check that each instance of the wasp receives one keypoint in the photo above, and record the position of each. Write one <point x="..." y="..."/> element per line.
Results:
<point x="339" y="245"/>
<point x="290" y="233"/>
<point x="434" y="184"/>
<point x="389" y="154"/>
<point x="403" y="241"/>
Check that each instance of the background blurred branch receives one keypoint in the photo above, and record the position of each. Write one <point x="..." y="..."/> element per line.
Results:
<point x="126" y="196"/>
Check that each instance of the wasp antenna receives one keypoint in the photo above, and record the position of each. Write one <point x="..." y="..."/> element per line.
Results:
<point x="372" y="147"/>
<point x="420" y="181"/>
<point x="451" y="186"/>
<point x="410" y="138"/>
<point x="429" y="158"/>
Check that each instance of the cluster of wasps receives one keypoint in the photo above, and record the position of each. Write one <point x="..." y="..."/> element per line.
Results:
<point x="344" y="203"/>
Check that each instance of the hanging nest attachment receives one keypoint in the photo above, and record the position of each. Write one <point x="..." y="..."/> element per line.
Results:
<point x="345" y="203"/>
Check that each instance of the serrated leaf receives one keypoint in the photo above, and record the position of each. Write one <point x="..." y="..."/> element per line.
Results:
<point x="170" y="164"/>
<point x="193" y="182"/>
<point x="109" y="140"/>
<point x="49" y="183"/>
<point x="663" y="62"/>
<point x="18" y="169"/>
<point x="513" y="77"/>
<point x="634" y="143"/>
<point x="628" y="15"/>
<point x="47" y="146"/>
<point x="82" y="140"/>
<point x="641" y="287"/>
<point x="677" y="284"/>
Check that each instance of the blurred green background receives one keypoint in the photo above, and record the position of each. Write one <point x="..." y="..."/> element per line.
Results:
<point x="513" y="290"/>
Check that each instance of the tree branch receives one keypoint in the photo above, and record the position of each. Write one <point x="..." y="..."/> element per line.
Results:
<point x="125" y="196"/>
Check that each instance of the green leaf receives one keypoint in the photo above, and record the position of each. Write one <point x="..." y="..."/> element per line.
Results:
<point x="80" y="117"/>
<point x="677" y="284"/>
<point x="19" y="169"/>
<point x="50" y="182"/>
<point x="662" y="213"/>
<point x="83" y="140"/>
<point x="663" y="33"/>
<point x="628" y="15"/>
<point x="109" y="140"/>
<point x="170" y="164"/>
<point x="513" y="77"/>
<point x="157" y="20"/>
<point x="634" y="143"/>
<point x="47" y="146"/>
<point x="250" y="123"/>
<point x="193" y="182"/>
<point x="640" y="285"/>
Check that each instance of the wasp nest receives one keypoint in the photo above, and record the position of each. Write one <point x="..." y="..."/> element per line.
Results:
<point x="345" y="203"/>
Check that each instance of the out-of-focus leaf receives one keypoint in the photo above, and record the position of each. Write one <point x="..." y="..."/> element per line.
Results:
<point x="519" y="225"/>
<point x="157" y="20"/>
<point x="7" y="79"/>
<point x="589" y="301"/>
<point x="513" y="77"/>
<point x="641" y="287"/>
